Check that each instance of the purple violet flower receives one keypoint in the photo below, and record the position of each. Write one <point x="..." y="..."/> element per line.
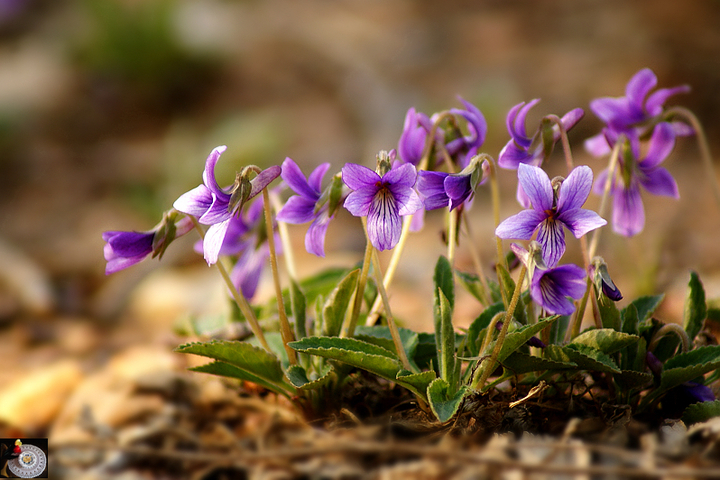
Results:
<point x="464" y="148"/>
<point x="215" y="206"/>
<point x="551" y="287"/>
<point x="414" y="136"/>
<point x="125" y="249"/>
<point x="383" y="199"/>
<point x="628" y="113"/>
<point x="308" y="205"/>
<point x="440" y="189"/>
<point x="552" y="208"/>
<point x="628" y="216"/>
<point x="246" y="238"/>
<point x="531" y="150"/>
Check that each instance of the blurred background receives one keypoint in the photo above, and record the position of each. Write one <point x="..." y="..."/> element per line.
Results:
<point x="108" y="109"/>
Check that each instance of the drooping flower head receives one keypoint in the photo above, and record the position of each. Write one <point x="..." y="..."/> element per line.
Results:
<point x="551" y="287"/>
<point x="634" y="172"/>
<point x="383" y="198"/>
<point x="601" y="278"/>
<point x="532" y="149"/>
<point x="311" y="204"/>
<point x="124" y="249"/>
<point x="554" y="206"/>
<point x="636" y="112"/>
<point x="461" y="146"/>
<point x="215" y="206"/>
<point x="442" y="190"/>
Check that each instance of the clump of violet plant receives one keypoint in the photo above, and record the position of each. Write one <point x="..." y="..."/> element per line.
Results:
<point x="308" y="341"/>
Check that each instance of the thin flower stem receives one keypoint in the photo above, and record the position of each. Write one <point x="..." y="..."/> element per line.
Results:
<point x="670" y="328"/>
<point x="564" y="140"/>
<point x="495" y="195"/>
<point x="452" y="235"/>
<point x="351" y="322"/>
<point x="576" y="322"/>
<point x="489" y="332"/>
<point x="580" y="308"/>
<point x="390" y="272"/>
<point x="285" y="329"/>
<point x="388" y="314"/>
<point x="288" y="252"/>
<point x="479" y="383"/>
<point x="702" y="143"/>
<point x="289" y="256"/>
<point x="477" y="261"/>
<point x="237" y="295"/>
<point x="612" y="165"/>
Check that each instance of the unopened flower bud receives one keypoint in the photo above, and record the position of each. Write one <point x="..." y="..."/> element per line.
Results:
<point x="602" y="280"/>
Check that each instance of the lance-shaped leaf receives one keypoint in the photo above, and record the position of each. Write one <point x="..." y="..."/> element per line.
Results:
<point x="381" y="336"/>
<point x="701" y="412"/>
<point x="443" y="278"/>
<point x="606" y="340"/>
<point x="298" y="306"/>
<point x="508" y="287"/>
<point x="628" y="379"/>
<point x="299" y="378"/>
<point x="446" y="356"/>
<point x="519" y="362"/>
<point x="645" y="306"/>
<point x="586" y="358"/>
<point x="374" y="359"/>
<point x="483" y="320"/>
<point x="695" y="307"/>
<point x="443" y="400"/>
<point x="518" y="338"/>
<point x="337" y="303"/>
<point x="226" y="370"/>
<point x="474" y="286"/>
<point x="416" y="382"/>
<point x="609" y="313"/>
<point x="249" y="362"/>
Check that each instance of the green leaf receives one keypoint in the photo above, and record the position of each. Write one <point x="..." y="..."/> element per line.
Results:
<point x="240" y="360"/>
<point x="380" y="335"/>
<point x="586" y="358"/>
<point x="519" y="362"/>
<point x="443" y="278"/>
<point x="558" y="329"/>
<point x="446" y="358"/>
<point x="518" y="338"/>
<point x="645" y="306"/>
<point x="322" y="283"/>
<point x="226" y="370"/>
<point x="474" y="286"/>
<point x="239" y="354"/>
<point x="298" y="377"/>
<point x="695" y="307"/>
<point x="709" y="354"/>
<point x="508" y="286"/>
<point x="606" y="340"/>
<point x="377" y="360"/>
<point x="416" y="382"/>
<point x="701" y="412"/>
<point x="609" y="313"/>
<point x="336" y="304"/>
<point x="443" y="401"/>
<point x="480" y="323"/>
<point x="628" y="379"/>
<point x="298" y="306"/>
